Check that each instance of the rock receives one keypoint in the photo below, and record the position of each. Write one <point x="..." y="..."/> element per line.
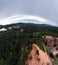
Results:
<point x="52" y="47"/>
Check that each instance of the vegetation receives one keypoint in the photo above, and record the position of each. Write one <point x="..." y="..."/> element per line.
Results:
<point x="14" y="43"/>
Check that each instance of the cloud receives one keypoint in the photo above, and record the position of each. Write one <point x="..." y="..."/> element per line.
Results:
<point x="24" y="18"/>
<point x="44" y="8"/>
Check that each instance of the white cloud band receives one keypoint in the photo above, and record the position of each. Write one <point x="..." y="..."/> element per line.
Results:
<point x="22" y="18"/>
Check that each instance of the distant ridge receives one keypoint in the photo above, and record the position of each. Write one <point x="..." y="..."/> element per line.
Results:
<point x="25" y="24"/>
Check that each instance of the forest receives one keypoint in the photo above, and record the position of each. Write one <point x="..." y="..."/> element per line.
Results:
<point x="12" y="41"/>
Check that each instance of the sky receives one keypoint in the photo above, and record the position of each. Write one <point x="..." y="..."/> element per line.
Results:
<point x="38" y="11"/>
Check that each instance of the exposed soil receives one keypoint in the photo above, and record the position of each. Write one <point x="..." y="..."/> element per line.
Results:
<point x="38" y="57"/>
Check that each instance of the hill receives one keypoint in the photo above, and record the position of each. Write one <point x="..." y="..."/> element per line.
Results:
<point x="21" y="36"/>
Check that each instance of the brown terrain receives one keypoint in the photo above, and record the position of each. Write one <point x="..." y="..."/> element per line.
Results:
<point x="51" y="44"/>
<point x="38" y="57"/>
<point x="52" y="47"/>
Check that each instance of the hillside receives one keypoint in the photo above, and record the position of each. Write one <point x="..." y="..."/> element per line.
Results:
<point x="21" y="36"/>
<point x="51" y="44"/>
<point x="43" y="29"/>
<point x="38" y="57"/>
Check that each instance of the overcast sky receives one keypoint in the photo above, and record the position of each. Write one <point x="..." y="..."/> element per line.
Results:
<point x="46" y="9"/>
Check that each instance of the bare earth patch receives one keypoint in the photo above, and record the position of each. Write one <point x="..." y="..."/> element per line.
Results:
<point x="38" y="57"/>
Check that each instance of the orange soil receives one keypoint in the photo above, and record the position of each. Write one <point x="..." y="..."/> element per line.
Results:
<point x="38" y="59"/>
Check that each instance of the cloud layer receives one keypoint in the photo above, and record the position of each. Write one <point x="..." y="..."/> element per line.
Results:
<point x="26" y="19"/>
<point x="47" y="9"/>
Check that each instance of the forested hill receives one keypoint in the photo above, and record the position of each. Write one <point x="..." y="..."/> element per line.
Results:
<point x="43" y="29"/>
<point x="20" y="36"/>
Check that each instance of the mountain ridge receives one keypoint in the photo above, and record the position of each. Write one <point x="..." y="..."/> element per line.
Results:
<point x="25" y="24"/>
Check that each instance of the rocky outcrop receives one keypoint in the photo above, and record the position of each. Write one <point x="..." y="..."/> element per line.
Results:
<point x="38" y="57"/>
<point x="52" y="47"/>
<point x="51" y="43"/>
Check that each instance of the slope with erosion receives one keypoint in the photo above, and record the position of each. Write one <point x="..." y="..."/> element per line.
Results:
<point x="38" y="57"/>
<point x="52" y="47"/>
<point x="12" y="40"/>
